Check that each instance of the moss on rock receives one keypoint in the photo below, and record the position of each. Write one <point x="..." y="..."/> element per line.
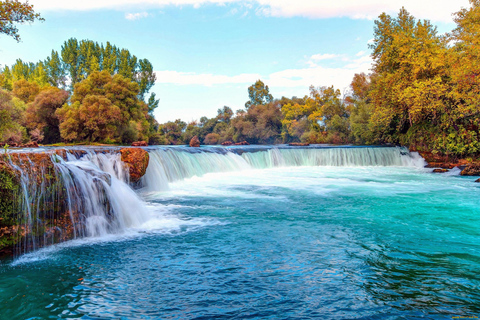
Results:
<point x="9" y="188"/>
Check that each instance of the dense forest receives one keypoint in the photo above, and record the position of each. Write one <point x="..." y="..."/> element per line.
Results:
<point x="423" y="91"/>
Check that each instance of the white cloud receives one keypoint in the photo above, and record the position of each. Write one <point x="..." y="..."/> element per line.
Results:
<point x="437" y="10"/>
<point x="136" y="16"/>
<point x="361" y="53"/>
<point x="205" y="79"/>
<point x="291" y="78"/>
<point x="325" y="56"/>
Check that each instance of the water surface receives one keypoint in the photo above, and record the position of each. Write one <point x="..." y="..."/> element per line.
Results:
<point x="279" y="243"/>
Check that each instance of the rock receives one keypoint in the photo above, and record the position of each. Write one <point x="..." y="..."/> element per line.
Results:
<point x="298" y="144"/>
<point x="472" y="169"/>
<point x="42" y="179"/>
<point x="31" y="144"/>
<point x="136" y="160"/>
<point x="478" y="180"/>
<point x="9" y="186"/>
<point x="243" y="143"/>
<point x="227" y="143"/>
<point x="440" y="161"/>
<point x="440" y="170"/>
<point x="139" y="144"/>
<point x="195" y="142"/>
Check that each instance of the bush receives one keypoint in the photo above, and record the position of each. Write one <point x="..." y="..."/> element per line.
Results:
<point x="129" y="134"/>
<point x="211" y="138"/>
<point x="157" y="139"/>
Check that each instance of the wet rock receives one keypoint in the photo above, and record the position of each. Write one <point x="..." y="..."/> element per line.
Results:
<point x="136" y="160"/>
<point x="440" y="170"/>
<point x="227" y="143"/>
<point x="298" y="144"/>
<point x="243" y="143"/>
<point x="9" y="187"/>
<point x="478" y="180"/>
<point x="441" y="161"/>
<point x="195" y="142"/>
<point x="41" y="179"/>
<point x="9" y="145"/>
<point x="472" y="169"/>
<point x="140" y="144"/>
<point x="31" y="144"/>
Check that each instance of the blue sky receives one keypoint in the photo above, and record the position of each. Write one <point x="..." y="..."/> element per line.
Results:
<point x="207" y="53"/>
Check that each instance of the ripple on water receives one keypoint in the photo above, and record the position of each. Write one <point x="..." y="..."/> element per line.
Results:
<point x="303" y="243"/>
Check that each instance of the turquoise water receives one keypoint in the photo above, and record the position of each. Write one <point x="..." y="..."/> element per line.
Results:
<point x="277" y="243"/>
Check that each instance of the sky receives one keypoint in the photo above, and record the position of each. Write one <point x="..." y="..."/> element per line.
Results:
<point x="207" y="52"/>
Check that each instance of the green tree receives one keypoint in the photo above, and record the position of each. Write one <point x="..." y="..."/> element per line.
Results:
<point x="173" y="131"/>
<point x="57" y="76"/>
<point x="225" y="114"/>
<point x="15" y="12"/>
<point x="361" y="109"/>
<point x="70" y="55"/>
<point x="82" y="58"/>
<point x="6" y="79"/>
<point x="111" y="102"/>
<point x="258" y="94"/>
<point x="11" y="117"/>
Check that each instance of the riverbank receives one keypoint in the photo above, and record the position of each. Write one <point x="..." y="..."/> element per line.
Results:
<point x="468" y="166"/>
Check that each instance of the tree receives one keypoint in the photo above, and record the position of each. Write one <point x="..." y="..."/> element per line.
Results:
<point x="224" y="114"/>
<point x="40" y="115"/>
<point x="82" y="58"/>
<point x="260" y="124"/>
<point x="13" y="12"/>
<point x="25" y="90"/>
<point x="360" y="86"/>
<point x="6" y="79"/>
<point x="57" y="75"/>
<point x="173" y="131"/>
<point x="104" y="108"/>
<point x="258" y="94"/>
<point x="411" y="79"/>
<point x="11" y="117"/>
<point x="211" y="138"/>
<point x="152" y="103"/>
<point x="361" y="109"/>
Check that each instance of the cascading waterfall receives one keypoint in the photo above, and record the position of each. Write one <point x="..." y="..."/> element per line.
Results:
<point x="83" y="195"/>
<point x="173" y="164"/>
<point x="75" y="193"/>
<point x="96" y="186"/>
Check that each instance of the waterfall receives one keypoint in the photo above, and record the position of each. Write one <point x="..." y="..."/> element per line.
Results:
<point x="172" y="164"/>
<point x="73" y="193"/>
<point x="71" y="196"/>
<point x="96" y="185"/>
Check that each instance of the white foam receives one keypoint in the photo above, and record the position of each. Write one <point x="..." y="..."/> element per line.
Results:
<point x="168" y="166"/>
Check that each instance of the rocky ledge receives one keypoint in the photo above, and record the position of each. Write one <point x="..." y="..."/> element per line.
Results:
<point x="443" y="164"/>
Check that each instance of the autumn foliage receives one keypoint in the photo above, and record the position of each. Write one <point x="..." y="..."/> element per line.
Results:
<point x="106" y="101"/>
<point x="423" y="91"/>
